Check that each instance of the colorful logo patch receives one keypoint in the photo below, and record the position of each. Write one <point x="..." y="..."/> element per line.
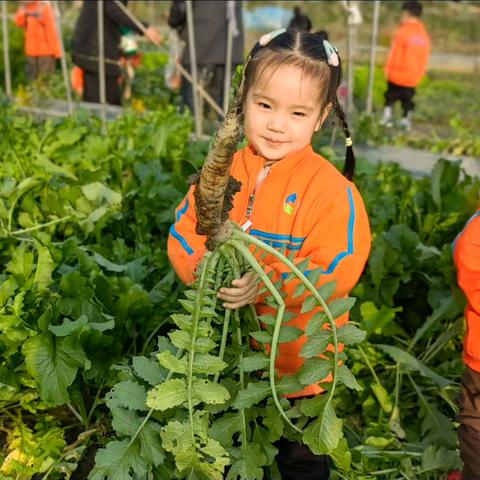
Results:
<point x="288" y="205"/>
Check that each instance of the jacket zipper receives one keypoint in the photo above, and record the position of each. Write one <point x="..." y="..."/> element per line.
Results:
<point x="251" y="199"/>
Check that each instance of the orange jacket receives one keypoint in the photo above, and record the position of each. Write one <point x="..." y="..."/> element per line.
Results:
<point x="38" y="20"/>
<point x="408" y="56"/>
<point x="303" y="204"/>
<point x="466" y="253"/>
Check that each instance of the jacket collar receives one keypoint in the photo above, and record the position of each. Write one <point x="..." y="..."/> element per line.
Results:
<point x="254" y="162"/>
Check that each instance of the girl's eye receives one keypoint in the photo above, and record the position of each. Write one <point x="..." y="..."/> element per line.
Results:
<point x="263" y="105"/>
<point x="299" y="114"/>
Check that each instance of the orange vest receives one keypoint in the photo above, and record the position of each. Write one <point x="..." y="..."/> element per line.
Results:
<point x="305" y="205"/>
<point x="408" y="56"/>
<point x="466" y="253"/>
<point x="41" y="38"/>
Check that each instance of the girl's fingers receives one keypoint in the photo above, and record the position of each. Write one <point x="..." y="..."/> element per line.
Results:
<point x="244" y="281"/>
<point x="243" y="292"/>
<point x="236" y="293"/>
<point x="237" y="304"/>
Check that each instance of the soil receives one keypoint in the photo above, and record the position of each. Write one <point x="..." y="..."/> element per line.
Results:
<point x="86" y="464"/>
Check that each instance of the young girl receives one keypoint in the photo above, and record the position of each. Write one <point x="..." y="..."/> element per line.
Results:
<point x="290" y="196"/>
<point x="467" y="259"/>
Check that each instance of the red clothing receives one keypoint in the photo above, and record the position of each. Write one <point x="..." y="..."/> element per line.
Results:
<point x="466" y="254"/>
<point x="303" y="204"/>
<point x="408" y="57"/>
<point x="41" y="37"/>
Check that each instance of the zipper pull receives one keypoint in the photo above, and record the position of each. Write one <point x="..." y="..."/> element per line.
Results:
<point x="251" y="200"/>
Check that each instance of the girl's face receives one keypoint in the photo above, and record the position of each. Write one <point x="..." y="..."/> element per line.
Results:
<point x="282" y="111"/>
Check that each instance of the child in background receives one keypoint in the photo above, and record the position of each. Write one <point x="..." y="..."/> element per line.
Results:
<point x="406" y="63"/>
<point x="300" y="22"/>
<point x="290" y="197"/>
<point x="467" y="260"/>
<point x="42" y="46"/>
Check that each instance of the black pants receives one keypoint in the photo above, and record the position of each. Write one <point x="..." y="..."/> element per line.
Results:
<point x="212" y="78"/>
<point x="403" y="94"/>
<point x="91" y="89"/>
<point x="297" y="462"/>
<point x="469" y="430"/>
<point x="37" y="66"/>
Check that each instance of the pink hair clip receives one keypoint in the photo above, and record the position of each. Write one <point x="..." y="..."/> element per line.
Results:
<point x="268" y="37"/>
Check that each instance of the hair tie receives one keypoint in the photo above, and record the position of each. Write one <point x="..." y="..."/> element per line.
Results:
<point x="268" y="37"/>
<point x="348" y="142"/>
<point x="332" y="54"/>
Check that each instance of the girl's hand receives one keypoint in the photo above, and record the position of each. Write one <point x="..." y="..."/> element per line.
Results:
<point x="244" y="291"/>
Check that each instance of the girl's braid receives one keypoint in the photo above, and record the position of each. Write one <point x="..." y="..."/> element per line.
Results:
<point x="349" y="167"/>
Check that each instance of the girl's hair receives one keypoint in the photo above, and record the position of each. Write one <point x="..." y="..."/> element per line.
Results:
<point x="307" y="51"/>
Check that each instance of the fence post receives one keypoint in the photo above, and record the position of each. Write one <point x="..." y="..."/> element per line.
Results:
<point x="350" y="50"/>
<point x="6" y="53"/>
<point x="63" y="58"/>
<point x="101" y="57"/>
<point x="228" y="65"/>
<point x="193" y="64"/>
<point x="373" y="51"/>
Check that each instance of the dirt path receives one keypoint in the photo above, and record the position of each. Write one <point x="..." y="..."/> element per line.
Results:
<point x="419" y="162"/>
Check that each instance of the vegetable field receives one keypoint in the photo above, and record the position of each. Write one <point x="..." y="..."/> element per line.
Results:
<point x="97" y="371"/>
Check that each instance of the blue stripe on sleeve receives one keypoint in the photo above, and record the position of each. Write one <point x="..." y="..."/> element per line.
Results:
<point x="279" y="244"/>
<point x="275" y="236"/>
<point x="351" y="227"/>
<point x="175" y="234"/>
<point x="182" y="211"/>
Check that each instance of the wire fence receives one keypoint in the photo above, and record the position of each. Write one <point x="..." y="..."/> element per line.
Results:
<point x="200" y="93"/>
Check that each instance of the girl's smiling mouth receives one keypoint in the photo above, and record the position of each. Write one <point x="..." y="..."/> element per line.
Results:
<point x="274" y="142"/>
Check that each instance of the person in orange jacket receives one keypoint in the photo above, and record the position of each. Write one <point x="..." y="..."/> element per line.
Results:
<point x="466" y="253"/>
<point x="406" y="63"/>
<point x="291" y="197"/>
<point x="42" y="45"/>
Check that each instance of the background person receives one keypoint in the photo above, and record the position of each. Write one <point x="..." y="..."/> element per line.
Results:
<point x="42" y="45"/>
<point x="300" y="22"/>
<point x="210" y="25"/>
<point x="466" y="254"/>
<point x="406" y="63"/>
<point x="85" y="48"/>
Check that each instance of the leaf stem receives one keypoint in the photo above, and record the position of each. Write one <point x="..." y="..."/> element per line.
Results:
<point x="209" y="262"/>
<point x="150" y="412"/>
<point x="244" y="432"/>
<point x="38" y="227"/>
<point x="77" y="415"/>
<point x="243" y="249"/>
<point x="364" y="356"/>
<point x="81" y="438"/>
<point x="140" y="428"/>
<point x="240" y="234"/>
<point x="223" y="343"/>
<point x="149" y="339"/>
<point x="95" y="403"/>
